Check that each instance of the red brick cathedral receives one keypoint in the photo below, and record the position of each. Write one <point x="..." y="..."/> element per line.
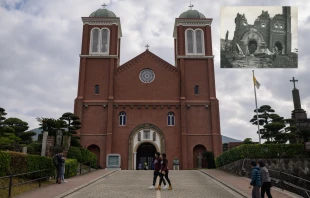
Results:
<point x="146" y="104"/>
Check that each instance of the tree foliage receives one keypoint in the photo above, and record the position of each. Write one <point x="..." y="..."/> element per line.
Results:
<point x="72" y="121"/>
<point x="247" y="141"/>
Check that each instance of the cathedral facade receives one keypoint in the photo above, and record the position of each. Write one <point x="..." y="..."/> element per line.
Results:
<point x="146" y="104"/>
<point x="272" y="33"/>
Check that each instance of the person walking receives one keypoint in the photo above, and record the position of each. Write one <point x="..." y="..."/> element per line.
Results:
<point x="157" y="164"/>
<point x="256" y="181"/>
<point x="266" y="181"/>
<point x="176" y="164"/>
<point x="164" y="173"/>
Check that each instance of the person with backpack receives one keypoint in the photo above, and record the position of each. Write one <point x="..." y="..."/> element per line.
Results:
<point x="164" y="173"/>
<point x="57" y="161"/>
<point x="256" y="181"/>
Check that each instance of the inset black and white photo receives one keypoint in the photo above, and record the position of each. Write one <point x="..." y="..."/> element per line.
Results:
<point x="259" y="37"/>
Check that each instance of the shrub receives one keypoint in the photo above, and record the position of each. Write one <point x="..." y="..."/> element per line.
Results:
<point x="34" y="148"/>
<point x="36" y="162"/>
<point x="82" y="155"/>
<point x="85" y="155"/>
<point x="75" y="153"/>
<point x="71" y="166"/>
<point x="18" y="163"/>
<point x="257" y="151"/>
<point x="5" y="161"/>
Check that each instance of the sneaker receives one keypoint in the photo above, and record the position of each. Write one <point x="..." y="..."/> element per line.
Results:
<point x="65" y="181"/>
<point x="165" y="187"/>
<point x="152" y="187"/>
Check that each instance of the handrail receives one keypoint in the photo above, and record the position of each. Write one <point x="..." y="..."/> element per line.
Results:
<point x="37" y="179"/>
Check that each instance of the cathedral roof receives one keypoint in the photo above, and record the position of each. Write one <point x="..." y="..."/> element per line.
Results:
<point x="191" y="14"/>
<point x="102" y="13"/>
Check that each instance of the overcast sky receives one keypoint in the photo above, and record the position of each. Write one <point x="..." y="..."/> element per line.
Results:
<point x="40" y="43"/>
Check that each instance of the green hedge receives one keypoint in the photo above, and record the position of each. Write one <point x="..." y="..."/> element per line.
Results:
<point x="71" y="166"/>
<point x="75" y="153"/>
<point x="5" y="161"/>
<point x="254" y="151"/>
<point x="36" y="162"/>
<point x="19" y="159"/>
<point x="82" y="155"/>
<point x="210" y="159"/>
<point x="16" y="163"/>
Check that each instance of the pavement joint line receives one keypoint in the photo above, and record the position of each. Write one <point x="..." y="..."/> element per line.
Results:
<point x="84" y="185"/>
<point x="227" y="185"/>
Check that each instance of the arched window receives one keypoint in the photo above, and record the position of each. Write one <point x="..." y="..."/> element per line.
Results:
<point x="189" y="41"/>
<point x="196" y="89"/>
<point x="94" y="40"/>
<point x="122" y="118"/>
<point x="194" y="42"/>
<point x="139" y="136"/>
<point x="99" y="41"/>
<point x="105" y="34"/>
<point x="154" y="136"/>
<point x="170" y="119"/>
<point x="96" y="89"/>
<point x="199" y="41"/>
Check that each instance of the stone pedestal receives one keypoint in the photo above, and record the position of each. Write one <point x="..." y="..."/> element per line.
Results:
<point x="43" y="150"/>
<point x="113" y="162"/>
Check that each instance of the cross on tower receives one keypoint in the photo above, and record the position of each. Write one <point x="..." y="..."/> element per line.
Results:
<point x="147" y="46"/>
<point x="190" y="5"/>
<point x="104" y="5"/>
<point x="294" y="82"/>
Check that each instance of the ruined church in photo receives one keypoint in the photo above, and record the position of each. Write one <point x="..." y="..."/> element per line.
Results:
<point x="146" y="104"/>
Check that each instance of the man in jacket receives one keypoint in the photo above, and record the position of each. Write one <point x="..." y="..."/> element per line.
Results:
<point x="256" y="181"/>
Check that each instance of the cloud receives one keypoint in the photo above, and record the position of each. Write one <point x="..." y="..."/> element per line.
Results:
<point x="41" y="42"/>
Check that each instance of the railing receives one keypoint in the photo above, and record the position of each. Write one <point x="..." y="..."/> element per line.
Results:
<point x="21" y="183"/>
<point x="291" y="183"/>
<point x="81" y="169"/>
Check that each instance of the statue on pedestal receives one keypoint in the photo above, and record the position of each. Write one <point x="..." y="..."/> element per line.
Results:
<point x="199" y="160"/>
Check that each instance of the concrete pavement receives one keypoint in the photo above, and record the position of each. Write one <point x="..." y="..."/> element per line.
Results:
<point x="134" y="184"/>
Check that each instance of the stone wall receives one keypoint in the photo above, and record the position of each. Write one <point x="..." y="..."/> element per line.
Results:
<point x="285" y="173"/>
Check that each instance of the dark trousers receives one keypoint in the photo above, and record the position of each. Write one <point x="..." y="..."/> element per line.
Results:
<point x="59" y="170"/>
<point x="266" y="188"/>
<point x="162" y="178"/>
<point x="156" y="174"/>
<point x="255" y="192"/>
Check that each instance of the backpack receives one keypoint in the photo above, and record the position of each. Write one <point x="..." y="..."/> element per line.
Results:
<point x="55" y="160"/>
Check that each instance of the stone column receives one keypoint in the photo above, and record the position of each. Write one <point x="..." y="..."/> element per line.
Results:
<point x="43" y="150"/>
<point x="25" y="149"/>
<point x="135" y="161"/>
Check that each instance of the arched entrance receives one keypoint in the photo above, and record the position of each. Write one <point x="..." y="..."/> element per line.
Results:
<point x="144" y="133"/>
<point x="198" y="149"/>
<point x="278" y="47"/>
<point x="145" y="153"/>
<point x="252" y="46"/>
<point x="94" y="149"/>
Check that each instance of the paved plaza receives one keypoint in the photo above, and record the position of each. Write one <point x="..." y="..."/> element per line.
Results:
<point x="134" y="184"/>
<point x="131" y="184"/>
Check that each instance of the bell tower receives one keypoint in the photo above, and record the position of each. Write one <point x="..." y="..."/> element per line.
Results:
<point x="200" y="126"/>
<point x="99" y="57"/>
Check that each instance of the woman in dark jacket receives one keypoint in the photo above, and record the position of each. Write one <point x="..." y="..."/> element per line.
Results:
<point x="164" y="172"/>
<point x="265" y="180"/>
